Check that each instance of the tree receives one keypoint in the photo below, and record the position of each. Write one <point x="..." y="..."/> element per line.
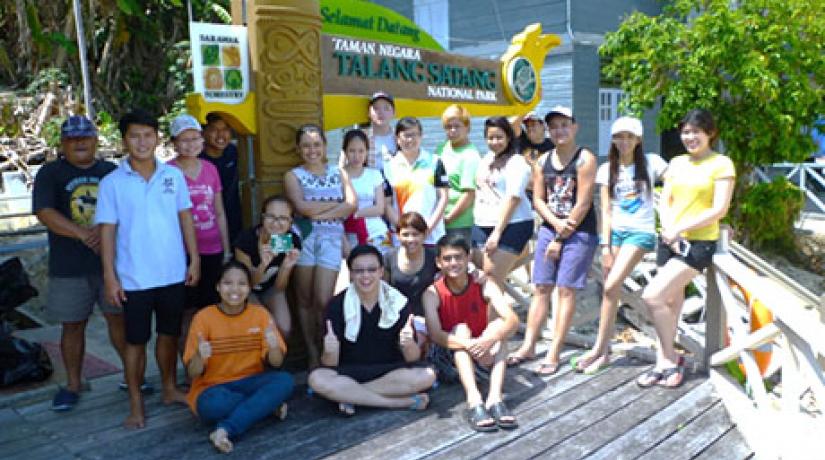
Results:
<point x="758" y="65"/>
<point x="138" y="50"/>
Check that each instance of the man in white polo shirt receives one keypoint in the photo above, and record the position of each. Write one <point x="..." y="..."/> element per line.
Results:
<point x="144" y="209"/>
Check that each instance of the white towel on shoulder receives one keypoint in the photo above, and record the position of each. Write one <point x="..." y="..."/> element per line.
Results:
<point x="390" y="301"/>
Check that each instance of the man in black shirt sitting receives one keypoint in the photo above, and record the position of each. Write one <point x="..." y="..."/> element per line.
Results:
<point x="369" y="346"/>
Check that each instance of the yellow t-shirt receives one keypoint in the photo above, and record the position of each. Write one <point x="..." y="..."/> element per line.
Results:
<point x="238" y="346"/>
<point x="692" y="184"/>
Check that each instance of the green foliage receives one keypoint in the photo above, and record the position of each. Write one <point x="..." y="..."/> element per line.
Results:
<point x="768" y="212"/>
<point x="45" y="78"/>
<point x="51" y="131"/>
<point x="758" y="67"/>
<point x="107" y="127"/>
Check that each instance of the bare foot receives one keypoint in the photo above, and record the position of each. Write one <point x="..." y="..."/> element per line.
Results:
<point x="220" y="439"/>
<point x="174" y="396"/>
<point x="134" y="421"/>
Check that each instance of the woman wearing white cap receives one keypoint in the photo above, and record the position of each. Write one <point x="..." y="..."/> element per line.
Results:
<point x="211" y="230"/>
<point x="628" y="225"/>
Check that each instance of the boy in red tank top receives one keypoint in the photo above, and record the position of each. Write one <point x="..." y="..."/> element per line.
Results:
<point x="462" y="326"/>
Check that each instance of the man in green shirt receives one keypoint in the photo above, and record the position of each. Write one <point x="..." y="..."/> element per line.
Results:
<point x="460" y="158"/>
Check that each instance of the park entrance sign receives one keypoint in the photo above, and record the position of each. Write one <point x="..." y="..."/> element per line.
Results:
<point x="319" y="62"/>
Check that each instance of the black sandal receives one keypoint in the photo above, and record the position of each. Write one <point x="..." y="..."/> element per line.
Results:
<point x="649" y="378"/>
<point x="477" y="415"/>
<point x="503" y="417"/>
<point x="667" y="373"/>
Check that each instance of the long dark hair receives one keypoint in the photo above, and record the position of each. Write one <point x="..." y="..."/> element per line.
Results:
<point x="510" y="150"/>
<point x="353" y="134"/>
<point x="640" y="175"/>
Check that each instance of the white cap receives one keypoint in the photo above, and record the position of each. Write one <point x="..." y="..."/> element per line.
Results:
<point x="630" y="125"/>
<point x="560" y="110"/>
<point x="183" y="122"/>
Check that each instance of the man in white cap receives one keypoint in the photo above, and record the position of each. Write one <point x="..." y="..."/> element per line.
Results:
<point x="64" y="200"/>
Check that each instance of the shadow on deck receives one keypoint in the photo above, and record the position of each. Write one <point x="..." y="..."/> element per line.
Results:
<point x="569" y="416"/>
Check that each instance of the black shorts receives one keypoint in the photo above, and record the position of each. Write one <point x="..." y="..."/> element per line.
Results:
<point x="166" y="301"/>
<point x="513" y="239"/>
<point x="206" y="293"/>
<point x="699" y="256"/>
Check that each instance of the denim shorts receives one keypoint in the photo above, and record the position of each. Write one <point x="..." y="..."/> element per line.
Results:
<point x="513" y="239"/>
<point x="323" y="249"/>
<point x="644" y="240"/>
<point x="699" y="256"/>
<point x="569" y="270"/>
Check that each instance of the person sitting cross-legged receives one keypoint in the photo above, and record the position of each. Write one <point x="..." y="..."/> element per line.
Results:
<point x="456" y="309"/>
<point x="369" y="349"/>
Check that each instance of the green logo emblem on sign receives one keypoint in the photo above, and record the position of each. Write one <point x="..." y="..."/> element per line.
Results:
<point x="522" y="79"/>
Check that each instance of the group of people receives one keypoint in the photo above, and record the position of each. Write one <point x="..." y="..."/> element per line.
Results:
<point x="428" y="239"/>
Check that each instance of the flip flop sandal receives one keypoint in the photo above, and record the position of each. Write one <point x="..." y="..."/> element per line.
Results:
<point x="346" y="409"/>
<point x="579" y="362"/>
<point x="281" y="411"/>
<point x="514" y="360"/>
<point x="667" y="373"/>
<point x="547" y="369"/>
<point x="419" y="403"/>
<point x="503" y="417"/>
<point x="593" y="370"/>
<point x="649" y="378"/>
<point x="477" y="415"/>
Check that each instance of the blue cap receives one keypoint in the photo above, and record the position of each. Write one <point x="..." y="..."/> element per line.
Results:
<point x="78" y="126"/>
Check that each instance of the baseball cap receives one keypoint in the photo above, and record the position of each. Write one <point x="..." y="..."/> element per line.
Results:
<point x="560" y="110"/>
<point x="183" y="122"/>
<point x="532" y="116"/>
<point x="77" y="126"/>
<point x="631" y="125"/>
<point x="382" y="95"/>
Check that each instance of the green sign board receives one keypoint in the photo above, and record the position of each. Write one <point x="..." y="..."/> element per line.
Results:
<point x="361" y="19"/>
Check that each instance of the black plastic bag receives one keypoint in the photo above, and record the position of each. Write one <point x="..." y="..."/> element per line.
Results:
<point x="21" y="360"/>
<point x="15" y="288"/>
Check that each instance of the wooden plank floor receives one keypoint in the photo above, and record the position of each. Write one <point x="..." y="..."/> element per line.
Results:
<point x="568" y="416"/>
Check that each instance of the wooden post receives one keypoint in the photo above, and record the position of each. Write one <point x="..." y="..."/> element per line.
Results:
<point x="714" y="319"/>
<point x="284" y="48"/>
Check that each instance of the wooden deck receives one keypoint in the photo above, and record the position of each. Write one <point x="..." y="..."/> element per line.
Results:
<point x="568" y="416"/>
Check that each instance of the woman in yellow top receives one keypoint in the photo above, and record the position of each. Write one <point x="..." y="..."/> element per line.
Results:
<point x="696" y="195"/>
<point x="227" y="350"/>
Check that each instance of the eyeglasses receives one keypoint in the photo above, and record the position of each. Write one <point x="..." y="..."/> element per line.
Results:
<point x="276" y="219"/>
<point x="365" y="270"/>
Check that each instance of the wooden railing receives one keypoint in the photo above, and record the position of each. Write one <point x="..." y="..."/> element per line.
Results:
<point x="786" y="422"/>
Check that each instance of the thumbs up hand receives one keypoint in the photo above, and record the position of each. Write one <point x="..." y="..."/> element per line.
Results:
<point x="407" y="334"/>
<point x="204" y="348"/>
<point x="331" y="343"/>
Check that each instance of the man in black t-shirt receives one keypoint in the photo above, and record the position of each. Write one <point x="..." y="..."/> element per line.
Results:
<point x="370" y="344"/>
<point x="64" y="200"/>
<point x="532" y="139"/>
<point x="222" y="153"/>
